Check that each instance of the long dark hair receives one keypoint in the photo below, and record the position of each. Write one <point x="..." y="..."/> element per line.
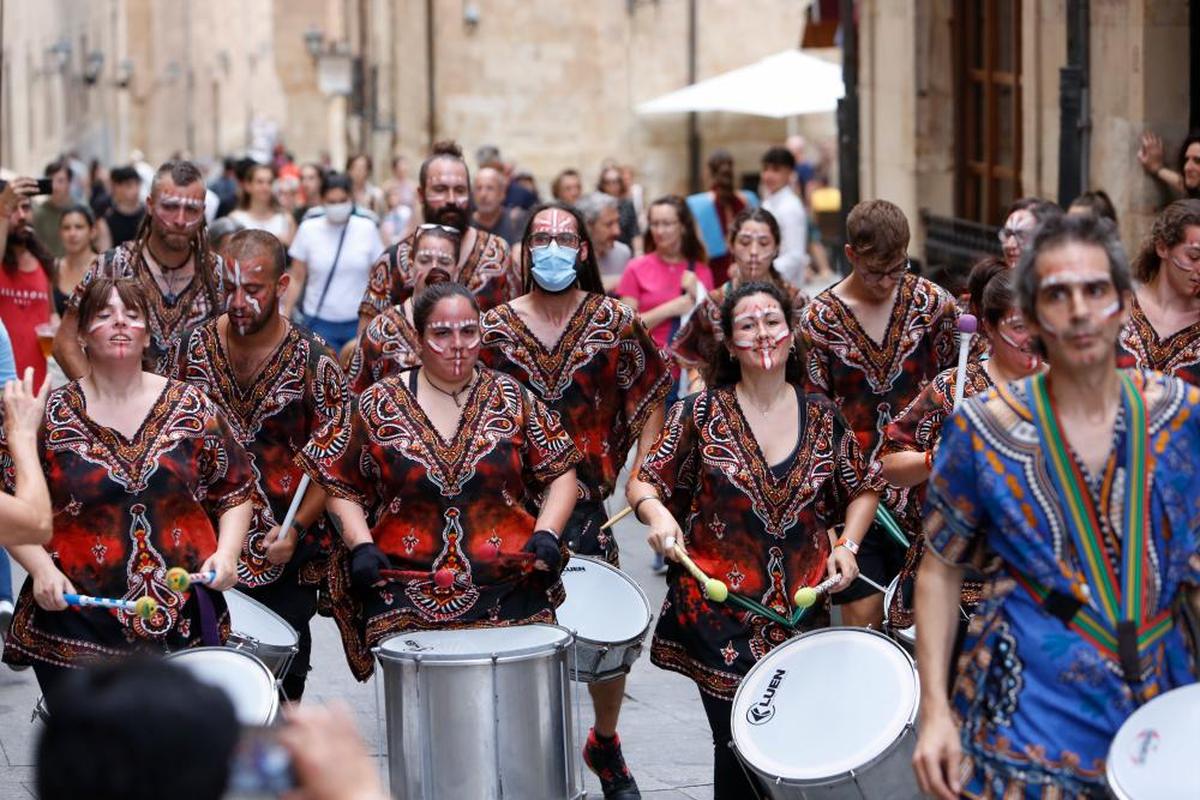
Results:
<point x="692" y="248"/>
<point x="724" y="368"/>
<point x="1169" y="229"/>
<point x="586" y="269"/>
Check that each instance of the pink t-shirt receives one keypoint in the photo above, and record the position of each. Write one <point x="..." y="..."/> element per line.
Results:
<point x="653" y="282"/>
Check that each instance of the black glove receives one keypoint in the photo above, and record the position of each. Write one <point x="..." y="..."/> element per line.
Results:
<point x="544" y="545"/>
<point x="366" y="560"/>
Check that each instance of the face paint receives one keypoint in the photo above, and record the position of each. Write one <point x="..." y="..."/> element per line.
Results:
<point x="761" y="340"/>
<point x="1032" y="359"/>
<point x="461" y="348"/>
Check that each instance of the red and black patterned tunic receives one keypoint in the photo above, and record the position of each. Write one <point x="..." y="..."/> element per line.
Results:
<point x="761" y="529"/>
<point x="126" y="511"/>
<point x="488" y="272"/>
<point x="695" y="343"/>
<point x="436" y="504"/>
<point x="604" y="376"/>
<point x="1139" y="347"/>
<point x="389" y="345"/>
<point x="919" y="429"/>
<point x="871" y="382"/>
<point x="170" y="319"/>
<point x="300" y="389"/>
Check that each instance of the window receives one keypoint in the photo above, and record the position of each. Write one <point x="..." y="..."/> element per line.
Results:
<point x="988" y="102"/>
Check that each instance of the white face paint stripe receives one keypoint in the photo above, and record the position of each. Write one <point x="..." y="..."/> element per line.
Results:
<point x="559" y="222"/>
<point x="187" y="202"/>
<point x="1072" y="279"/>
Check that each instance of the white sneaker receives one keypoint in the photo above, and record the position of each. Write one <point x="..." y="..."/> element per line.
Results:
<point x="6" y="614"/>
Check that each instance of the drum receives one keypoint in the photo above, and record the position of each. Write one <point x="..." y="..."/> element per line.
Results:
<point x="1150" y="754"/>
<point x="609" y="615"/>
<point x="830" y="714"/>
<point x="259" y="630"/>
<point x="246" y="679"/>
<point x="907" y="637"/>
<point x="480" y="713"/>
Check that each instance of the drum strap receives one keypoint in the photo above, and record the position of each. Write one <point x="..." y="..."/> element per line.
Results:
<point x="1106" y="611"/>
<point x="210" y="634"/>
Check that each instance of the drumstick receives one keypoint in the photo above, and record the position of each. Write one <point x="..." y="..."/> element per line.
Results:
<point x="807" y="595"/>
<point x="297" y="498"/>
<point x="144" y="607"/>
<point x="617" y="517"/>
<point x="714" y="589"/>
<point x="967" y="325"/>
<point x="888" y="523"/>
<point x="179" y="579"/>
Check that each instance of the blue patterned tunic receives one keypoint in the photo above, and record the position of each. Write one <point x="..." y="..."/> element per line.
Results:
<point x="1037" y="702"/>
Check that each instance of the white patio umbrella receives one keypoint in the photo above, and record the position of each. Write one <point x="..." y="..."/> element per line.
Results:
<point x="787" y="84"/>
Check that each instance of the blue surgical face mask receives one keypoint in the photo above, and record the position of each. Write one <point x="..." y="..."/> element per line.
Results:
<point x="554" y="266"/>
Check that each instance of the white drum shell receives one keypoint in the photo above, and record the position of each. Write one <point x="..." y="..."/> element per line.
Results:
<point x="480" y="713"/>
<point x="609" y="615"/>
<point x="1153" y="755"/>
<point x="833" y="687"/>
<point x="259" y="630"/>
<point x="242" y="676"/>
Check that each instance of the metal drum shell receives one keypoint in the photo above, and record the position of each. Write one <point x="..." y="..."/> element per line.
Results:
<point x="886" y="776"/>
<point x="487" y="725"/>
<point x="598" y="661"/>
<point x="905" y="637"/>
<point x="276" y="655"/>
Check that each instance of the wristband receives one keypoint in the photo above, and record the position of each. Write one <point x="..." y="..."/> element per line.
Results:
<point x="849" y="544"/>
<point x="638" y="503"/>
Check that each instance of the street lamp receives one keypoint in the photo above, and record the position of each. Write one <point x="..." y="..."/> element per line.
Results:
<point x="92" y="66"/>
<point x="314" y="42"/>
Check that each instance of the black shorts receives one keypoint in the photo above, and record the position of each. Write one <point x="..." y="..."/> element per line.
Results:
<point x="880" y="558"/>
<point x="583" y="534"/>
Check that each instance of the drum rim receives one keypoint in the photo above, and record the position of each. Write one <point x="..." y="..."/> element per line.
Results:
<point x="461" y="659"/>
<point x="1110" y="774"/>
<point x="908" y="634"/>
<point x="261" y="606"/>
<point x="839" y="777"/>
<point x="272" y="678"/>
<point x="637" y="639"/>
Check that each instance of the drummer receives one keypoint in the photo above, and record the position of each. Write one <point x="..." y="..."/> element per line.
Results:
<point x="1060" y="481"/>
<point x="761" y="472"/>
<point x="911" y="439"/>
<point x="754" y="242"/>
<point x="390" y="343"/>
<point x="144" y="474"/>
<point x="439" y="458"/>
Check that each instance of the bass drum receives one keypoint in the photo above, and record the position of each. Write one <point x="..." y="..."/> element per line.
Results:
<point x="804" y="741"/>
<point x="247" y="681"/>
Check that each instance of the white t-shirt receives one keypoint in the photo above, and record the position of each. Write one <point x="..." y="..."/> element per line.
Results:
<point x="792" y="261"/>
<point x="316" y="244"/>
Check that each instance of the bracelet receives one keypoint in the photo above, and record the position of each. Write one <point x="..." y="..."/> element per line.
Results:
<point x="849" y="544"/>
<point x="637" y="504"/>
<point x="929" y="460"/>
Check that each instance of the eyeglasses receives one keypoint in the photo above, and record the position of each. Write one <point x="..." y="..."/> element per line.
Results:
<point x="564" y="239"/>
<point x="877" y="276"/>
<point x="1022" y="235"/>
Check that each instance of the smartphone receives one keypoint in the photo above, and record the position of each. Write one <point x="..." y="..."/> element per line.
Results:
<point x="45" y="186"/>
<point x="260" y="765"/>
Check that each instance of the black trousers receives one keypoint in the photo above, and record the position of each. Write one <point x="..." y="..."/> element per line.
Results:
<point x="730" y="781"/>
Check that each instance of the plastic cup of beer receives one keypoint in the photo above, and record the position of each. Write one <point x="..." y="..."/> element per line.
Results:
<point x="45" y="333"/>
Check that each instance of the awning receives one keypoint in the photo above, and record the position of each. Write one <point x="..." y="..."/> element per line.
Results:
<point x="787" y="84"/>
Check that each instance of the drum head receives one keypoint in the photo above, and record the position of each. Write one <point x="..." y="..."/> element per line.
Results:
<point x="603" y="604"/>
<point x="824" y="703"/>
<point x="251" y="618"/>
<point x="465" y="644"/>
<point x="1151" y="753"/>
<point x="245" y="679"/>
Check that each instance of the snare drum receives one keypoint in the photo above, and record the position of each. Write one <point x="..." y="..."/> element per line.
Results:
<point x="830" y="714"/>
<point x="247" y="681"/>
<point x="907" y="637"/>
<point x="1150" y="754"/>
<point x="609" y="615"/>
<point x="259" y="630"/>
<point x="480" y="713"/>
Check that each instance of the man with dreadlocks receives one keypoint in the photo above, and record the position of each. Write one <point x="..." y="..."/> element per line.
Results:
<point x="170" y="259"/>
